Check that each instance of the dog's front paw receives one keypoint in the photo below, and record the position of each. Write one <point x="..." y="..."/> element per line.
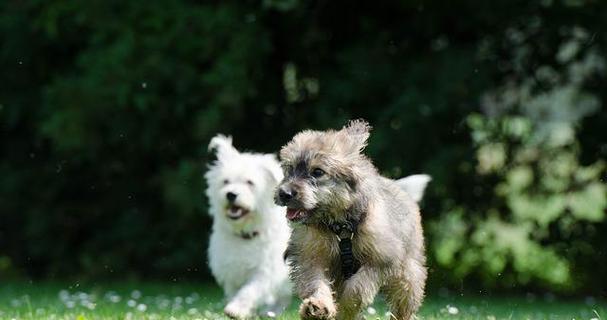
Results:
<point x="314" y="308"/>
<point x="235" y="311"/>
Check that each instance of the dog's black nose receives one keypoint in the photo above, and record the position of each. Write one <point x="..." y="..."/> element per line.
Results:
<point x="231" y="196"/>
<point x="286" y="194"/>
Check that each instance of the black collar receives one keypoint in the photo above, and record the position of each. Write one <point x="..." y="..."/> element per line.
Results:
<point x="248" y="235"/>
<point x="345" y="232"/>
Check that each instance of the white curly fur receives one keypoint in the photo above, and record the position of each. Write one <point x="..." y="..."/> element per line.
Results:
<point x="251" y="272"/>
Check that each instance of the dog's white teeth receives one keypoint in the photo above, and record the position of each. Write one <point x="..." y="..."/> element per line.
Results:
<point x="299" y="213"/>
<point x="295" y="214"/>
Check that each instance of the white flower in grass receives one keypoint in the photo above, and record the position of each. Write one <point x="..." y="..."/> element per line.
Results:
<point x="371" y="310"/>
<point x="142" y="307"/>
<point x="70" y="304"/>
<point x="452" y="310"/>
<point x="131" y="303"/>
<point x="64" y="295"/>
<point x="83" y="296"/>
<point x="192" y="311"/>
<point x="177" y="303"/>
<point x="112" y="296"/>
<point x="136" y="294"/>
<point x="163" y="304"/>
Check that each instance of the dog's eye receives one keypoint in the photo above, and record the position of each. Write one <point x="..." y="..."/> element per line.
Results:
<point x="226" y="181"/>
<point x="249" y="182"/>
<point x="317" y="173"/>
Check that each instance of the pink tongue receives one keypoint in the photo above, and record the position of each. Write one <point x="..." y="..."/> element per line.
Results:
<point x="292" y="213"/>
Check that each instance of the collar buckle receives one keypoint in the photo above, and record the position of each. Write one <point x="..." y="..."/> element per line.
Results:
<point x="343" y="231"/>
<point x="344" y="235"/>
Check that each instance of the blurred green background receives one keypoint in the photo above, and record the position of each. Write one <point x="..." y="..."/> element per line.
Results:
<point x="106" y="108"/>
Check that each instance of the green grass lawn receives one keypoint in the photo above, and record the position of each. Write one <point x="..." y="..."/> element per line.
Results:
<point x="200" y="301"/>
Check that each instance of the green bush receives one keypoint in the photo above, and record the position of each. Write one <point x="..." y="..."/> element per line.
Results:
<point x="542" y="199"/>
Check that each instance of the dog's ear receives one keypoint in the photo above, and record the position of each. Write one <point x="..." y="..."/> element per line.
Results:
<point x="273" y="170"/>
<point x="222" y="145"/>
<point x="357" y="133"/>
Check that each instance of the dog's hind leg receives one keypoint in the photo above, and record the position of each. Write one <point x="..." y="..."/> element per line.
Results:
<point x="358" y="292"/>
<point x="406" y="293"/>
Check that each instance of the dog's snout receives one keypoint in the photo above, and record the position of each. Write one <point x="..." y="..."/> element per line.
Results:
<point x="231" y="196"/>
<point x="286" y="194"/>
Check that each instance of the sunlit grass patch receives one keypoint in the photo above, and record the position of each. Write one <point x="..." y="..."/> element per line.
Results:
<point x="111" y="301"/>
<point x="204" y="301"/>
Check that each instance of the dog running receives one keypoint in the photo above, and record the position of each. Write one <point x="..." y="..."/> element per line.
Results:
<point x="250" y="232"/>
<point x="355" y="233"/>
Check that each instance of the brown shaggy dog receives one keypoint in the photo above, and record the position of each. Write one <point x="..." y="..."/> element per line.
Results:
<point x="355" y="233"/>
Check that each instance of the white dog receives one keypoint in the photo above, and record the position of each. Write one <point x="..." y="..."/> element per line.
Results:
<point x="250" y="233"/>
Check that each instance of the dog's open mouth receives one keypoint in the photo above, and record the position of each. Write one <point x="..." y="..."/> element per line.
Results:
<point x="297" y="214"/>
<point x="235" y="212"/>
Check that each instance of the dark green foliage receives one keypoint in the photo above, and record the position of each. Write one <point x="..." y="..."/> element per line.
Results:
<point x="106" y="108"/>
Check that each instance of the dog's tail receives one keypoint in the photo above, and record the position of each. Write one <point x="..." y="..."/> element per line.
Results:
<point x="222" y="145"/>
<point x="414" y="185"/>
